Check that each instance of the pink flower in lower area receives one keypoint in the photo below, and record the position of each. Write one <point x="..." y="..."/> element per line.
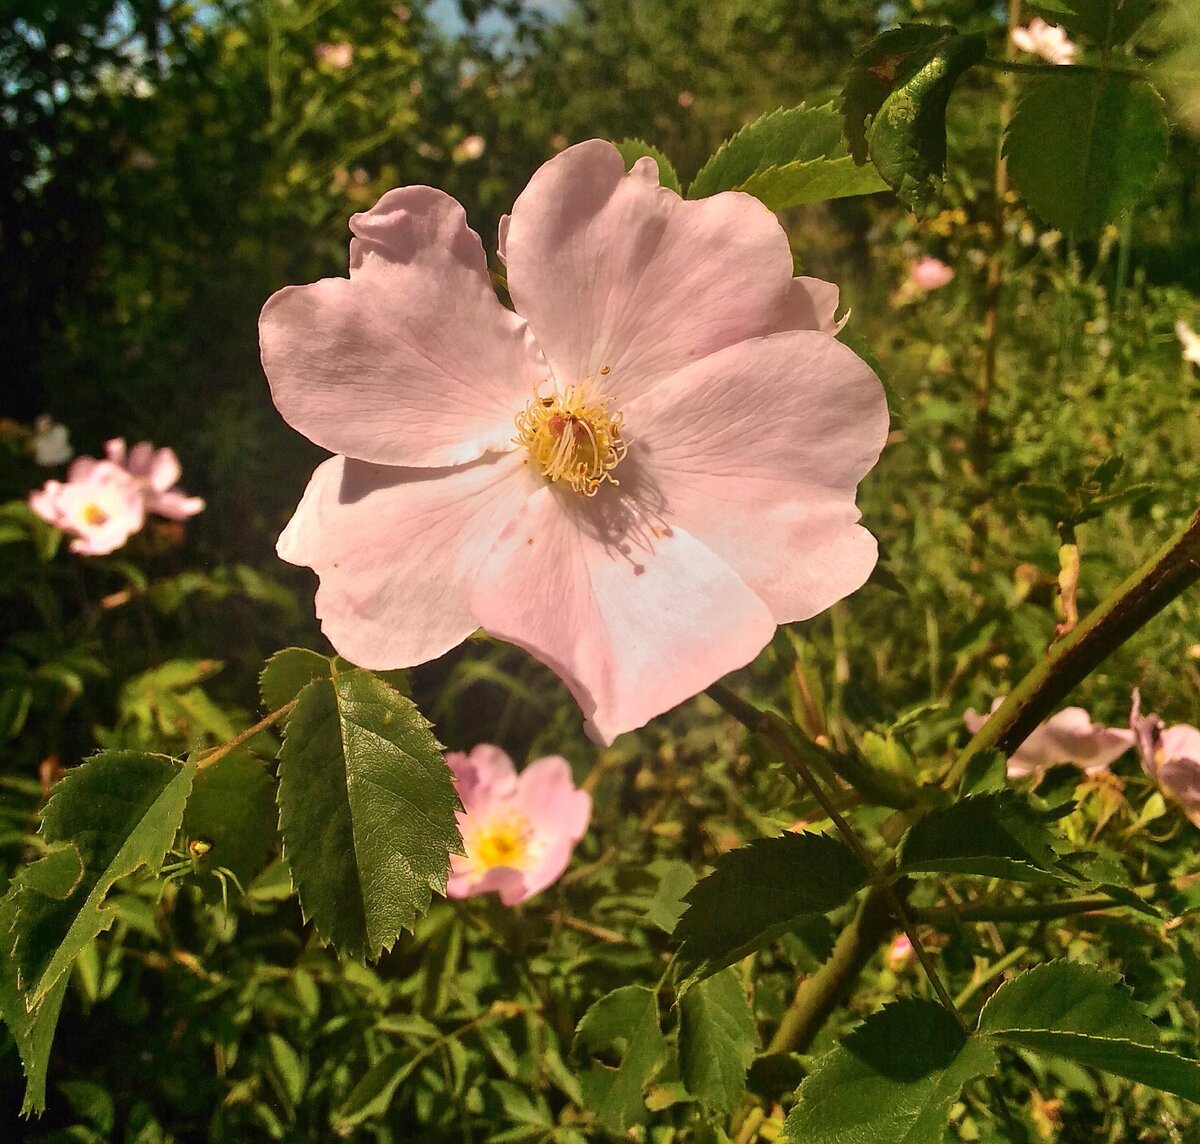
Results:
<point x="99" y="504"/>
<point x="518" y="830"/>
<point x="900" y="954"/>
<point x="1046" y="40"/>
<point x="339" y="55"/>
<point x="156" y="472"/>
<point x="1170" y="756"/>
<point x="635" y="477"/>
<point x="1069" y="736"/>
<point x="930" y="274"/>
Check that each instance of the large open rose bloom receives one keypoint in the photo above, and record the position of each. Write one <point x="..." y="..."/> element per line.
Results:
<point x="635" y="477"/>
<point x="518" y="831"/>
<point x="1068" y="736"/>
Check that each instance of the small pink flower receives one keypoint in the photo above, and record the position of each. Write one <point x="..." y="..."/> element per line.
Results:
<point x="1069" y="736"/>
<point x="470" y="149"/>
<point x="1189" y="340"/>
<point x="156" y="472"/>
<point x="99" y="504"/>
<point x="339" y="55"/>
<point x="1046" y="40"/>
<point x="635" y="477"/>
<point x="930" y="274"/>
<point x="518" y="830"/>
<point x="1170" y="756"/>
<point x="899" y="955"/>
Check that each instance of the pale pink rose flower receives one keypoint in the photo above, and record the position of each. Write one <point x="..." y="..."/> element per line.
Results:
<point x="99" y="504"/>
<point x="1069" y="736"/>
<point x="900" y="954"/>
<point x="1170" y="756"/>
<point x="1050" y="41"/>
<point x="51" y="442"/>
<point x="469" y="149"/>
<point x="157" y="473"/>
<point x="339" y="55"/>
<point x="1189" y="340"/>
<point x="930" y="274"/>
<point x="635" y="477"/>
<point x="518" y="830"/>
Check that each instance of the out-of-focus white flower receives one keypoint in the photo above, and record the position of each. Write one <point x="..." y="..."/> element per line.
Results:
<point x="470" y="149"/>
<point x="1046" y="40"/>
<point x="51" y="442"/>
<point x="1190" y="340"/>
<point x="930" y="274"/>
<point x="340" y="55"/>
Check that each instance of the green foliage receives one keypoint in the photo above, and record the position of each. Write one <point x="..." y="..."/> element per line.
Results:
<point x="1079" y="179"/>
<point x="625" y="1022"/>
<point x="757" y="893"/>
<point x="717" y="1040"/>
<point x="894" y="1078"/>
<point x="634" y="149"/>
<point x="1107" y="22"/>
<point x="895" y="102"/>
<point x="1087" y="1016"/>
<point x="119" y="812"/>
<point x="366" y="808"/>
<point x="996" y="835"/>
<point x="287" y="673"/>
<point x="787" y="158"/>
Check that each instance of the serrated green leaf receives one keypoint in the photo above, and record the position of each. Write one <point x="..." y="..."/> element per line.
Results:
<point x="757" y="893"/>
<point x="120" y="810"/>
<point x="675" y="880"/>
<point x="1078" y="180"/>
<point x="232" y="808"/>
<point x="56" y="873"/>
<point x="367" y="810"/>
<point x="374" y="1091"/>
<point x="894" y="1079"/>
<point x="1085" y="1014"/>
<point x="717" y="1040"/>
<point x="634" y="149"/>
<point x="785" y="158"/>
<point x="1108" y="22"/>
<point x="986" y="772"/>
<point x="997" y="835"/>
<point x="625" y="1022"/>
<point x="288" y="672"/>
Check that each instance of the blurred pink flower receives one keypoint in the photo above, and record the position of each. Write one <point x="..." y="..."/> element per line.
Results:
<point x="469" y="149"/>
<point x="1069" y="736"/>
<point x="899" y="954"/>
<point x="1170" y="756"/>
<point x="339" y="55"/>
<point x="1189" y="340"/>
<point x="156" y="472"/>
<point x="518" y="830"/>
<point x="930" y="274"/>
<point x="688" y="435"/>
<point x="51" y="442"/>
<point x="1046" y="40"/>
<point x="99" y="504"/>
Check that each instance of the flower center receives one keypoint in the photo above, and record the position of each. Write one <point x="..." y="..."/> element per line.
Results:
<point x="502" y="842"/>
<point x="572" y="438"/>
<point x="94" y="515"/>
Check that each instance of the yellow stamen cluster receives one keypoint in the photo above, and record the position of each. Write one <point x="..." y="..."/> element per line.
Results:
<point x="502" y="841"/>
<point x="94" y="515"/>
<point x="572" y="439"/>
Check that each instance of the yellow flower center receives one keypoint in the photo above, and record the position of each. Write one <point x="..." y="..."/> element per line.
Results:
<point x="572" y="438"/>
<point x="501" y="841"/>
<point x="94" y="515"/>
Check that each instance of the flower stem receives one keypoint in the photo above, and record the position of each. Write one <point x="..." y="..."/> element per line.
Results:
<point x="1126" y="610"/>
<point x="217" y="753"/>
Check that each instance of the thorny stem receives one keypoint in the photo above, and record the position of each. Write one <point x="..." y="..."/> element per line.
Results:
<point x="1127" y="609"/>
<point x="218" y="753"/>
<point x="1018" y="912"/>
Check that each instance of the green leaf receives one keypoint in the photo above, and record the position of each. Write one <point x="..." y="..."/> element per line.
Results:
<point x="634" y="149"/>
<point x="894" y="1079"/>
<point x="367" y="810"/>
<point x="232" y="808"/>
<point x="1104" y="21"/>
<point x="1077" y="180"/>
<point x="675" y="880"/>
<point x="624" y="1023"/>
<point x="757" y="893"/>
<point x="717" y="1040"/>
<point x="374" y="1091"/>
<point x="997" y="835"/>
<point x="986" y="773"/>
<point x="120" y="811"/>
<point x="785" y="158"/>
<point x="288" y="672"/>
<point x="1086" y="1015"/>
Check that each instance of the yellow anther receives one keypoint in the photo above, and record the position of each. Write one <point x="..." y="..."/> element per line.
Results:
<point x="572" y="439"/>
